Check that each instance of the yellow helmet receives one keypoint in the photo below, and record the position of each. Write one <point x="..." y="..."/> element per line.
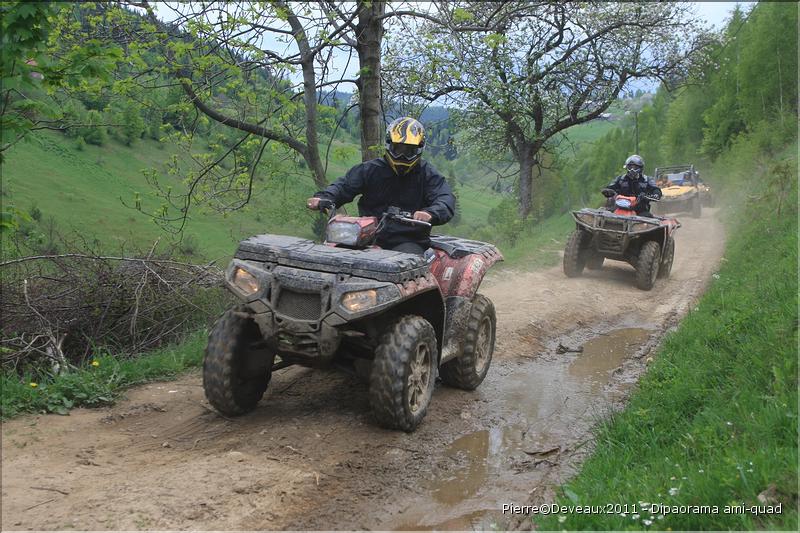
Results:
<point x="405" y="139"/>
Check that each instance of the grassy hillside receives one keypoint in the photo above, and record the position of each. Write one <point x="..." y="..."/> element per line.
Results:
<point x="83" y="191"/>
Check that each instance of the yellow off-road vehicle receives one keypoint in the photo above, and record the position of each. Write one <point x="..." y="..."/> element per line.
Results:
<point x="681" y="191"/>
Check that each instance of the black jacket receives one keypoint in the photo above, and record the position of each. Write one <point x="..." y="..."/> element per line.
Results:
<point x="634" y="187"/>
<point x="422" y="189"/>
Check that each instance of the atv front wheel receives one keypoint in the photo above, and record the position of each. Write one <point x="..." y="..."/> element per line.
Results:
<point x="236" y="370"/>
<point x="667" y="259"/>
<point x="595" y="262"/>
<point x="469" y="370"/>
<point x="403" y="373"/>
<point x="575" y="253"/>
<point x="647" y="265"/>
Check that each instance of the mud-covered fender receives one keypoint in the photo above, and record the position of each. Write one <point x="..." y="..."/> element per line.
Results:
<point x="462" y="276"/>
<point x="429" y="304"/>
<point x="455" y="329"/>
<point x="670" y="225"/>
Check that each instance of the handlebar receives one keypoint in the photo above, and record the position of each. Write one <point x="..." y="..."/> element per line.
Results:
<point x="414" y="222"/>
<point x="393" y="213"/>
<point x="610" y="193"/>
<point x="405" y="217"/>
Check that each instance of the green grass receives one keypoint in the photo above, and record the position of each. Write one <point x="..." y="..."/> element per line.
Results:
<point x="93" y="386"/>
<point x="589" y="132"/>
<point x="539" y="246"/>
<point x="83" y="191"/>
<point x="714" y="421"/>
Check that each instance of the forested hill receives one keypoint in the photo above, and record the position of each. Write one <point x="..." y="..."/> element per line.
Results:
<point x="132" y="153"/>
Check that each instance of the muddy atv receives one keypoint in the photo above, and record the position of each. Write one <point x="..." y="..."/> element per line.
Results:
<point x="647" y="244"/>
<point x="681" y="190"/>
<point x="399" y="318"/>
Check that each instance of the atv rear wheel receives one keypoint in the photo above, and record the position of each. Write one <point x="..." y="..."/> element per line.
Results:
<point x="403" y="373"/>
<point x="667" y="259"/>
<point x="595" y="261"/>
<point x="236" y="371"/>
<point x="647" y="265"/>
<point x="697" y="207"/>
<point x="575" y="253"/>
<point x="469" y="370"/>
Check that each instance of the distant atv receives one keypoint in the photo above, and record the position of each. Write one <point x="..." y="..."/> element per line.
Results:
<point x="681" y="190"/>
<point x="646" y="243"/>
<point x="349" y="303"/>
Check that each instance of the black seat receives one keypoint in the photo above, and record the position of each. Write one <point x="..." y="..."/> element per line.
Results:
<point x="457" y="247"/>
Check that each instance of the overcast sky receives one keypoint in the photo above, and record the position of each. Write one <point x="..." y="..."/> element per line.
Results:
<point x="715" y="13"/>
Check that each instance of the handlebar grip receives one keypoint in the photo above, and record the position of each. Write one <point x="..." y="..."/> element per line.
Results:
<point x="325" y="204"/>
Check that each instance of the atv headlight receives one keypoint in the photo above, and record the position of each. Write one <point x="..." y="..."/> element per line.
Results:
<point x="360" y="300"/>
<point x="345" y="233"/>
<point x="245" y="281"/>
<point x="623" y="203"/>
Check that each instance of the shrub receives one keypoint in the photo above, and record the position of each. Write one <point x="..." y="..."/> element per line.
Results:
<point x="188" y="245"/>
<point x="94" y="133"/>
<point x="58" y="310"/>
<point x="35" y="213"/>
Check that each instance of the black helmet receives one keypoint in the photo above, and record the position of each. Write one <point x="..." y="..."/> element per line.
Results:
<point x="405" y="139"/>
<point x="634" y="165"/>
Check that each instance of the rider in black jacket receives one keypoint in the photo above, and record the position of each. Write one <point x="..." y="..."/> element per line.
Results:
<point x="400" y="179"/>
<point x="635" y="183"/>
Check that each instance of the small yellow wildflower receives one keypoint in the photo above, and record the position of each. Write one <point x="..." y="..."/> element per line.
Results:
<point x="34" y="385"/>
<point x="95" y="363"/>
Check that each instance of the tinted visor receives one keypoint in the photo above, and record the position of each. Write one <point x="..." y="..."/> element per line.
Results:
<point x="633" y="166"/>
<point x="404" y="151"/>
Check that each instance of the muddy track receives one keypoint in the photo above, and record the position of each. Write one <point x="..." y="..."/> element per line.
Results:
<point x="568" y="351"/>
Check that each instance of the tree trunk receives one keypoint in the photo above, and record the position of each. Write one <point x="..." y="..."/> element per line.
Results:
<point x="369" y="32"/>
<point x="527" y="159"/>
<point x="311" y="156"/>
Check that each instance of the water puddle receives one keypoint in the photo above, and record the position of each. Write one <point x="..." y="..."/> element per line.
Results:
<point x="605" y="353"/>
<point x="540" y="406"/>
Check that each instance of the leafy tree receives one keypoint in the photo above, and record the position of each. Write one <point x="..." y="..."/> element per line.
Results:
<point x="33" y="68"/>
<point x="128" y="122"/>
<point x="92" y="132"/>
<point x="524" y="72"/>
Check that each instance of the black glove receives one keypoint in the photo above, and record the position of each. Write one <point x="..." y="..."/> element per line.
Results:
<point x="608" y="193"/>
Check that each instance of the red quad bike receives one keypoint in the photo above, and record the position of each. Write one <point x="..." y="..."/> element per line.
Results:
<point x="648" y="244"/>
<point x="398" y="317"/>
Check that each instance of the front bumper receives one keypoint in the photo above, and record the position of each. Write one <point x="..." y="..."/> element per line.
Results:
<point x="300" y="312"/>
<point x="614" y="233"/>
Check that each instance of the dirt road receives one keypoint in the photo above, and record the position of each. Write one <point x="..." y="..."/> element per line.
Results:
<point x="310" y="458"/>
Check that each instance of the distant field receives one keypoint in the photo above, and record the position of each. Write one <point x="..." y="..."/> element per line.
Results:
<point x="588" y="133"/>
